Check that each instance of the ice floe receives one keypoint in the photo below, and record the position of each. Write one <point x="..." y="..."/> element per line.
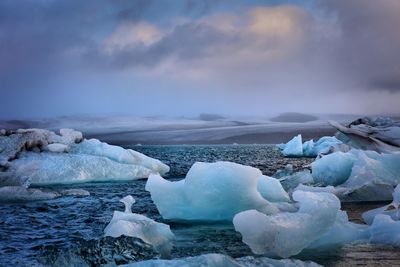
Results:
<point x="126" y="223"/>
<point x="214" y="192"/>
<point x="36" y="156"/>
<point x="21" y="193"/>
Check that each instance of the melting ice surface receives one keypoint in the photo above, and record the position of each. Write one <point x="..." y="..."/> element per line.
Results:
<point x="39" y="157"/>
<point x="319" y="223"/>
<point x="216" y="192"/>
<point x="131" y="224"/>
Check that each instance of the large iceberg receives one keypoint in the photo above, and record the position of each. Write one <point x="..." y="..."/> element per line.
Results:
<point x="319" y="223"/>
<point x="325" y="145"/>
<point x="34" y="156"/>
<point x="221" y="260"/>
<point x="215" y="192"/>
<point x="126" y="223"/>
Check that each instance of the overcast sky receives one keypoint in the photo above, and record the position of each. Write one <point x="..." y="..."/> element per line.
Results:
<point x="181" y="58"/>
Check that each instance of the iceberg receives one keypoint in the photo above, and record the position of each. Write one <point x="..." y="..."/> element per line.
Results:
<point x="385" y="230"/>
<point x="325" y="145"/>
<point x="333" y="169"/>
<point x="294" y="147"/>
<point x="341" y="232"/>
<point x="214" y="192"/>
<point x="380" y="134"/>
<point x="286" y="234"/>
<point x="56" y="168"/>
<point x="126" y="223"/>
<point x="38" y="157"/>
<point x="221" y="260"/>
<point x="125" y="156"/>
<point x="318" y="224"/>
<point x="359" y="175"/>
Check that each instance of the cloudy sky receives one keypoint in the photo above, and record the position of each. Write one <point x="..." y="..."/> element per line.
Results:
<point x="184" y="57"/>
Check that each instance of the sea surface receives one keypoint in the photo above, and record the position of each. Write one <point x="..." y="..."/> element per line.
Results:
<point x="41" y="233"/>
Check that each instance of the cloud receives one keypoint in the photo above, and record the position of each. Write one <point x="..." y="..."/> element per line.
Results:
<point x="314" y="56"/>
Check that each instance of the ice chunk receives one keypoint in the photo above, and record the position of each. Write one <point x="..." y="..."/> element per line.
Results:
<point x="210" y="192"/>
<point x="126" y="223"/>
<point x="391" y="210"/>
<point x="384" y="230"/>
<point x="325" y="145"/>
<point x="294" y="148"/>
<point x="57" y="148"/>
<point x="371" y="167"/>
<point x="21" y="193"/>
<point x="272" y="190"/>
<point x="342" y="232"/>
<point x="71" y="136"/>
<point x="332" y="169"/>
<point x="221" y="260"/>
<point x="39" y="156"/>
<point x="51" y="168"/>
<point x="366" y="134"/>
<point x="286" y="234"/>
<point x="127" y="156"/>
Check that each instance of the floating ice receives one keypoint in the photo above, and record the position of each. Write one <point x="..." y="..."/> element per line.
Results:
<point x="42" y="157"/>
<point x="212" y="192"/>
<point x="286" y="234"/>
<point x="126" y="156"/>
<point x="341" y="232"/>
<point x="380" y="134"/>
<point x="294" y="147"/>
<point x="221" y="260"/>
<point x="21" y="193"/>
<point x="325" y="145"/>
<point x="362" y="173"/>
<point x="384" y="230"/>
<point x="56" y="168"/>
<point x="391" y="210"/>
<point x="131" y="224"/>
<point x="332" y="169"/>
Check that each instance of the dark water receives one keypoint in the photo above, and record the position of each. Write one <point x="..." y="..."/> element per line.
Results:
<point x="32" y="233"/>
